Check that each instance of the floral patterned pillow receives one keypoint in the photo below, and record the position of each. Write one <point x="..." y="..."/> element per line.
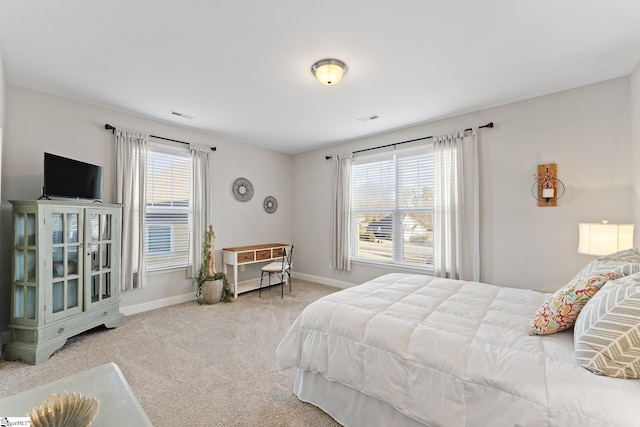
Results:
<point x="560" y="310"/>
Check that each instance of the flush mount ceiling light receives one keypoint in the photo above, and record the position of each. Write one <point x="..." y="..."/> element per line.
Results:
<point x="329" y="71"/>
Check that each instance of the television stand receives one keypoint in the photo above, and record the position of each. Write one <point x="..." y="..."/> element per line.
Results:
<point x="42" y="195"/>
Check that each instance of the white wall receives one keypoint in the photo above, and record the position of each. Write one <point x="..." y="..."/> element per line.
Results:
<point x="3" y="90"/>
<point x="5" y="291"/>
<point x="37" y="122"/>
<point x="586" y="131"/>
<point x="634" y="92"/>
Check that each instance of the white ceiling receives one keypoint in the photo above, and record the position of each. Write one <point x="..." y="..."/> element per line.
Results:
<point x="242" y="67"/>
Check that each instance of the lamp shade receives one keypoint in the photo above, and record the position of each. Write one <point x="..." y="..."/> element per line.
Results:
<point x="329" y="71"/>
<point x="603" y="239"/>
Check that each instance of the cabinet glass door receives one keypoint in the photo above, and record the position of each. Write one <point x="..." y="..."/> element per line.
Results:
<point x="66" y="263"/>
<point x="25" y="268"/>
<point x="100" y="246"/>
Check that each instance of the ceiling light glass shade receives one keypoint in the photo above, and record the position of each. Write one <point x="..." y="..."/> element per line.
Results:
<point x="604" y="239"/>
<point x="329" y="71"/>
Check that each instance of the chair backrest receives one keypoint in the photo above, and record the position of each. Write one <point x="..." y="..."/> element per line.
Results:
<point x="286" y="258"/>
<point x="289" y="257"/>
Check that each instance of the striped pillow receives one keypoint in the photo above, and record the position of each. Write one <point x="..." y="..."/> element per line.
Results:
<point x="628" y="255"/>
<point x="607" y="331"/>
<point x="622" y="263"/>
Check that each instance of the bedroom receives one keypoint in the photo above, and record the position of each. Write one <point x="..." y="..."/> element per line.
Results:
<point x="522" y="245"/>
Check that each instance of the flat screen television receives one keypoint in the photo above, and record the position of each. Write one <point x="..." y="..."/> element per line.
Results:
<point x="69" y="178"/>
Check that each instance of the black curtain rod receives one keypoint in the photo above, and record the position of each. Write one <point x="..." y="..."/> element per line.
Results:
<point x="488" y="125"/>
<point x="112" y="129"/>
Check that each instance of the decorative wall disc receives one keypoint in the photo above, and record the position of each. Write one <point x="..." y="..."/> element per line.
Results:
<point x="270" y="204"/>
<point x="242" y="189"/>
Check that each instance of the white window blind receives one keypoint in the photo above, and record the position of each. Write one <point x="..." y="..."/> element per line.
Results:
<point x="392" y="206"/>
<point x="168" y="206"/>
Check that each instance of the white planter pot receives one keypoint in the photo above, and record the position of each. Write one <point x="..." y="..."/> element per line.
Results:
<point x="211" y="291"/>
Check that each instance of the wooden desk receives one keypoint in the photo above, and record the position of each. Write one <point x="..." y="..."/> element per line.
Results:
<point x="250" y="255"/>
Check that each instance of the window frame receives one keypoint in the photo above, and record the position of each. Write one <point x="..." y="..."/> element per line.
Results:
<point x="161" y="147"/>
<point x="397" y="212"/>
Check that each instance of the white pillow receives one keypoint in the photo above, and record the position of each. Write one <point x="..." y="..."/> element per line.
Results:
<point x="607" y="331"/>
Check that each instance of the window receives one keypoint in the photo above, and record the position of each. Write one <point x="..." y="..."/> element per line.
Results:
<point x="168" y="209"/>
<point x="158" y="239"/>
<point x="392" y="207"/>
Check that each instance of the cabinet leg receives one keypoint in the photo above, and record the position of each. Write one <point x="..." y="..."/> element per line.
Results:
<point x="115" y="322"/>
<point x="30" y="353"/>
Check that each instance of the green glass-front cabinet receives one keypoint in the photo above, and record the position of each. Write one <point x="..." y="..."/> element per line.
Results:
<point x="65" y="274"/>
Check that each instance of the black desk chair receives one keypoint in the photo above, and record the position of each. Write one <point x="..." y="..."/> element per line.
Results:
<point x="282" y="269"/>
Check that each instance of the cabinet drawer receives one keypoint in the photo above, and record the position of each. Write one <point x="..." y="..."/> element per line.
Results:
<point x="278" y="252"/>
<point x="245" y="257"/>
<point x="263" y="254"/>
<point x="76" y="324"/>
<point x="98" y="314"/>
<point x="60" y="329"/>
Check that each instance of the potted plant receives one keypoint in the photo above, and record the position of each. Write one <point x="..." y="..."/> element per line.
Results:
<point x="212" y="287"/>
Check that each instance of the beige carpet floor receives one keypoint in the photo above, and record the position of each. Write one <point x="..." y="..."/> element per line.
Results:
<point x="195" y="365"/>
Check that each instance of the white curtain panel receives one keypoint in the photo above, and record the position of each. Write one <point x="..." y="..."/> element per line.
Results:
<point x="456" y="239"/>
<point x="341" y="213"/>
<point x="130" y="192"/>
<point x="201" y="199"/>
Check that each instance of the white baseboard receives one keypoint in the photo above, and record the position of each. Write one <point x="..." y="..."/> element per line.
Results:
<point x="128" y="310"/>
<point x="322" y="280"/>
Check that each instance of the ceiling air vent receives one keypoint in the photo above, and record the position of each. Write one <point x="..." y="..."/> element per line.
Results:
<point x="179" y="114"/>
<point x="369" y="118"/>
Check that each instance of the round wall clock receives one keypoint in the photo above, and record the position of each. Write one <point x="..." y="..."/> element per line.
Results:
<point x="242" y="189"/>
<point x="270" y="204"/>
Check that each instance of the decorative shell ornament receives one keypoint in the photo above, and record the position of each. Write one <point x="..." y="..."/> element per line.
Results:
<point x="65" y="410"/>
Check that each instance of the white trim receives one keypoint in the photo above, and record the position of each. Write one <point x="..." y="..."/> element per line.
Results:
<point x="128" y="310"/>
<point x="168" y="147"/>
<point x="400" y="267"/>
<point x="322" y="280"/>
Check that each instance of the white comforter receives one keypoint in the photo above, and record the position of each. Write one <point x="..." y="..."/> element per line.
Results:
<point x="454" y="353"/>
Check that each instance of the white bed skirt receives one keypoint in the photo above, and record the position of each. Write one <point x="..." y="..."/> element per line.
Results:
<point x="347" y="406"/>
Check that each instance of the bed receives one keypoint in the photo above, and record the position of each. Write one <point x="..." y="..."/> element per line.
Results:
<point x="414" y="350"/>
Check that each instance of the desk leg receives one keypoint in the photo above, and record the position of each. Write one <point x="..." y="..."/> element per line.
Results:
<point x="235" y="280"/>
<point x="235" y="277"/>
